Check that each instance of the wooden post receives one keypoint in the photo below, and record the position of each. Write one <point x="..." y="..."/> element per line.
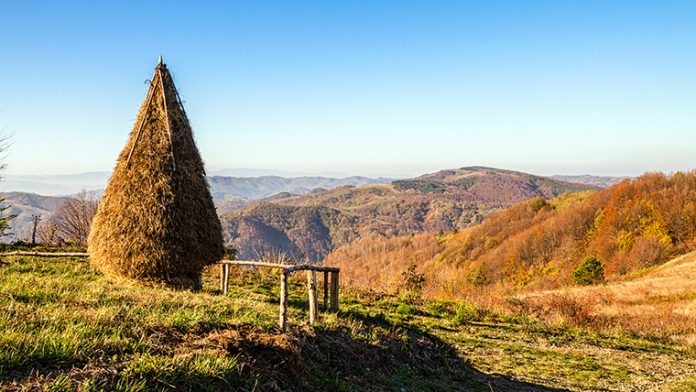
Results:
<point x="222" y="277"/>
<point x="312" y="291"/>
<point x="326" y="290"/>
<point x="226" y="279"/>
<point x="334" y="291"/>
<point x="283" y="320"/>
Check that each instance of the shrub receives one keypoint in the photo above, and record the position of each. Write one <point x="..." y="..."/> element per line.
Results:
<point x="468" y="312"/>
<point x="413" y="282"/>
<point x="648" y="251"/>
<point x="537" y="204"/>
<point x="405" y="309"/>
<point x="590" y="271"/>
<point x="478" y="275"/>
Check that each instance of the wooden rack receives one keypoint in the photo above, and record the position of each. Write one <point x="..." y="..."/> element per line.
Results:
<point x="330" y="285"/>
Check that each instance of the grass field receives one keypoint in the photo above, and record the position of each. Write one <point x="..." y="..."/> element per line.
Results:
<point x="63" y="326"/>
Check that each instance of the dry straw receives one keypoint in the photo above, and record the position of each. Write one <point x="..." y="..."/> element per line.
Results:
<point x="156" y="222"/>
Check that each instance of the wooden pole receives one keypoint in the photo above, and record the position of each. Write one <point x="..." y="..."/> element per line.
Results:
<point x="226" y="280"/>
<point x="283" y="319"/>
<point x="150" y="94"/>
<point x="334" y="291"/>
<point x="312" y="291"/>
<point x="326" y="290"/>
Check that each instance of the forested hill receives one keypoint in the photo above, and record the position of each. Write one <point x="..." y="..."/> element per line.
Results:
<point x="314" y="224"/>
<point x="537" y="244"/>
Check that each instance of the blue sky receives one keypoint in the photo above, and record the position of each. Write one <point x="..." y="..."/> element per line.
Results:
<point x="359" y="87"/>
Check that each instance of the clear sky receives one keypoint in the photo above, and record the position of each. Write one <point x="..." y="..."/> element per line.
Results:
<point x="359" y="87"/>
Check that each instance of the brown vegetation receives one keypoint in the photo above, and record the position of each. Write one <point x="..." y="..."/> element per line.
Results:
<point x="537" y="244"/>
<point x="660" y="303"/>
<point x="73" y="219"/>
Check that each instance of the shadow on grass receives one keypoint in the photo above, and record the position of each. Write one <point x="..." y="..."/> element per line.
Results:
<point x="359" y="353"/>
<point x="388" y="356"/>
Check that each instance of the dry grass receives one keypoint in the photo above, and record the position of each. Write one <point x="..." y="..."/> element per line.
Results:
<point x="660" y="303"/>
<point x="157" y="222"/>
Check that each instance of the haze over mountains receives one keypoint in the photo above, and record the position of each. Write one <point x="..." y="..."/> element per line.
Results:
<point x="225" y="184"/>
<point x="225" y="188"/>
<point x="229" y="183"/>
<point x="587" y="179"/>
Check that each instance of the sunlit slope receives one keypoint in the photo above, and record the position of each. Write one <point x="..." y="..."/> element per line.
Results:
<point x="537" y="244"/>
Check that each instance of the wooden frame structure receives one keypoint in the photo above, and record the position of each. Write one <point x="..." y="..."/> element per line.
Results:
<point x="330" y="285"/>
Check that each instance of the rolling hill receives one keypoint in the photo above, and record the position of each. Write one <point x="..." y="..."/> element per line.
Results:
<point x="537" y="244"/>
<point x="312" y="225"/>
<point x="24" y="205"/>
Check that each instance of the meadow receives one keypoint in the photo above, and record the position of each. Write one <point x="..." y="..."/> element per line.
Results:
<point x="63" y="326"/>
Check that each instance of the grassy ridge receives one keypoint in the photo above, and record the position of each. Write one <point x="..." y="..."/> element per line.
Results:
<point x="63" y="326"/>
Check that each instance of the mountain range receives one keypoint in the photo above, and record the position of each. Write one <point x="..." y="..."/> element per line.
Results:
<point x="310" y="216"/>
<point x="247" y="184"/>
<point x="312" y="225"/>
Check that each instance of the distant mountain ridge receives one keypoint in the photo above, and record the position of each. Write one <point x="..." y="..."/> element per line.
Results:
<point x="222" y="187"/>
<point x="24" y="205"/>
<point x="309" y="225"/>
<point x="55" y="185"/>
<point x="225" y="188"/>
<point x="587" y="179"/>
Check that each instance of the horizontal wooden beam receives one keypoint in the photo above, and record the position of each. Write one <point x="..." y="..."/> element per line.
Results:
<point x="45" y="254"/>
<point x="286" y="267"/>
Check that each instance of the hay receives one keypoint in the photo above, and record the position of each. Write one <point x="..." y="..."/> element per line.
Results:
<point x="156" y="222"/>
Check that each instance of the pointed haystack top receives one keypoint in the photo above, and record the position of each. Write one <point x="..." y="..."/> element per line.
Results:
<point x="156" y="221"/>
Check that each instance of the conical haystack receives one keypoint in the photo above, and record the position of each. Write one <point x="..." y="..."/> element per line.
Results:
<point x="157" y="222"/>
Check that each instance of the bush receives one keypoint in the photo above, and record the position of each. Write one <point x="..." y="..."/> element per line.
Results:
<point x="467" y="312"/>
<point x="590" y="271"/>
<point x="405" y="309"/>
<point x="478" y="276"/>
<point x="413" y="283"/>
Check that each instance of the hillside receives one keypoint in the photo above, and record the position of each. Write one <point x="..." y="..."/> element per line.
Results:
<point x="24" y="205"/>
<point x="662" y="299"/>
<point x="443" y="201"/>
<point x="537" y="244"/>
<point x="65" y="327"/>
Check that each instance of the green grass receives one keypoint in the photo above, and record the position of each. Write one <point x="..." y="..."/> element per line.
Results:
<point x="65" y="327"/>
